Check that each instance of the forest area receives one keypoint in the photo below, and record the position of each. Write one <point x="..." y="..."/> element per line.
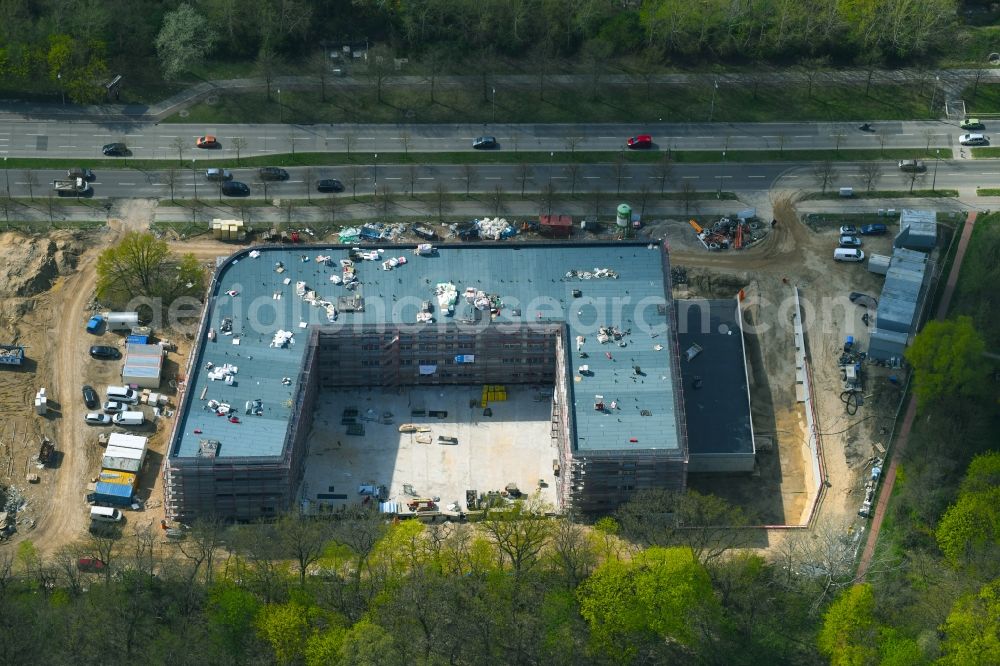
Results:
<point x="72" y="47"/>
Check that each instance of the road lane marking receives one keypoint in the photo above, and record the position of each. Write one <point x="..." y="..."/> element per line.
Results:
<point x="130" y="184"/>
<point x="752" y="176"/>
<point x="690" y="177"/>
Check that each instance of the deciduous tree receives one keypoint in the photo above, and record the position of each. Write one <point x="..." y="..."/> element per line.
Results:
<point x="947" y="359"/>
<point x="141" y="265"/>
<point x="183" y="41"/>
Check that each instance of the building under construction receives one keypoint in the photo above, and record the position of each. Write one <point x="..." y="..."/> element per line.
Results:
<point x="593" y="322"/>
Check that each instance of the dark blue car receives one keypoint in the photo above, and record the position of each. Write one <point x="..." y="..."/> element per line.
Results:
<point x="874" y="229"/>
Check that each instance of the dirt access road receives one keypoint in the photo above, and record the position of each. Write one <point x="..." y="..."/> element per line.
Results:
<point x="64" y="517"/>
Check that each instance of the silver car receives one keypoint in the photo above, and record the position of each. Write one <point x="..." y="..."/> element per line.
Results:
<point x="96" y="418"/>
<point x="218" y="174"/>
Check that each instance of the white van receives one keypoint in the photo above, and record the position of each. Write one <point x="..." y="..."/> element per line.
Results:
<point x="123" y="394"/>
<point x="129" y="418"/>
<point x="848" y="254"/>
<point x="104" y="514"/>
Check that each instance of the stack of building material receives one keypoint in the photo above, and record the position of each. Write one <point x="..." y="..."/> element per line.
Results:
<point x="228" y="229"/>
<point x="11" y="355"/>
<point x="447" y="295"/>
<point x="41" y="402"/>
<point x="495" y="228"/>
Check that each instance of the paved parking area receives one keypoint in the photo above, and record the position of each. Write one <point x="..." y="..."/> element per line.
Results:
<point x="511" y="446"/>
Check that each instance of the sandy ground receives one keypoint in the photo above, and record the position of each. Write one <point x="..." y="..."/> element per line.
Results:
<point x="47" y="314"/>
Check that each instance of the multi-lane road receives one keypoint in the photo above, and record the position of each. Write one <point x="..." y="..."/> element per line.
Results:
<point x="119" y="183"/>
<point x="83" y="139"/>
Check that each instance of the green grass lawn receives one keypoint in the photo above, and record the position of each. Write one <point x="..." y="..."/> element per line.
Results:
<point x="495" y="157"/>
<point x="320" y="202"/>
<point x="572" y="103"/>
<point x="886" y="194"/>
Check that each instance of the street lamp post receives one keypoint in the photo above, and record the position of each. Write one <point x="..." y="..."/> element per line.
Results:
<point x="7" y="174"/>
<point x="62" y="91"/>
<point x="937" y="159"/>
<point x="552" y="159"/>
<point x="711" y="111"/>
<point x="494" y="105"/>
<point x="194" y="178"/>
<point x="281" y="111"/>
<point x="375" y="181"/>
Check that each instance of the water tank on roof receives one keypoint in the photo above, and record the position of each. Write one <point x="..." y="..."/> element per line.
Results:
<point x="624" y="215"/>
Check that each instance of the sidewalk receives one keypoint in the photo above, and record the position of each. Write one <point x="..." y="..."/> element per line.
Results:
<point x="951" y="80"/>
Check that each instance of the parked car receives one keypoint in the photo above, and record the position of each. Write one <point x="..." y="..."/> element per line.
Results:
<point x="330" y="185"/>
<point x="864" y="300"/>
<point x="113" y="407"/>
<point x="272" y="173"/>
<point x="80" y="172"/>
<point x="115" y="150"/>
<point x="207" y="141"/>
<point x="235" y="188"/>
<point x="640" y="141"/>
<point x="874" y="229"/>
<point x="96" y="418"/>
<point x="848" y="254"/>
<point x="218" y="174"/>
<point x="848" y="240"/>
<point x="849" y="229"/>
<point x="94" y="324"/>
<point x="972" y="124"/>
<point x="913" y="166"/>
<point x="974" y="140"/>
<point x="484" y="142"/>
<point x="90" y="565"/>
<point x="90" y="397"/>
<point x="105" y="352"/>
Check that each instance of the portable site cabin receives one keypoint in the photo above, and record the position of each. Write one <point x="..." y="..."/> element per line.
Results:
<point x="121" y="321"/>
<point x="115" y="487"/>
<point x="125" y="453"/>
<point x="143" y="365"/>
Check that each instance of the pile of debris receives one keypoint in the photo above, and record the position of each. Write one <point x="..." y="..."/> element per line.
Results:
<point x="495" y="228"/>
<point x="447" y="295"/>
<point x="734" y="232"/>
<point x="596" y="274"/>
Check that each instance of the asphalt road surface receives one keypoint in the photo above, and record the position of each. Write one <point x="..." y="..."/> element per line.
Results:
<point x="734" y="177"/>
<point x="83" y="139"/>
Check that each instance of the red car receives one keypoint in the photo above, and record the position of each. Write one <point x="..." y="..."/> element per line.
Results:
<point x="640" y="141"/>
<point x="90" y="565"/>
<point x="207" y="141"/>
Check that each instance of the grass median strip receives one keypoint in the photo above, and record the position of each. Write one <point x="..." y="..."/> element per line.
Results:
<point x="887" y="194"/>
<point x="988" y="191"/>
<point x="483" y="197"/>
<point x="477" y="158"/>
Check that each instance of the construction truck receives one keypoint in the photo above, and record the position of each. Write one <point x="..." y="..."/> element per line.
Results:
<point x="71" y="186"/>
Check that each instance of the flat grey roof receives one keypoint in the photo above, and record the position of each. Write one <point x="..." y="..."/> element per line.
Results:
<point x="718" y="413"/>
<point x="537" y="279"/>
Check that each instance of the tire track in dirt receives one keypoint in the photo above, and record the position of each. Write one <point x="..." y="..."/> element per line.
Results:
<point x="65" y="517"/>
